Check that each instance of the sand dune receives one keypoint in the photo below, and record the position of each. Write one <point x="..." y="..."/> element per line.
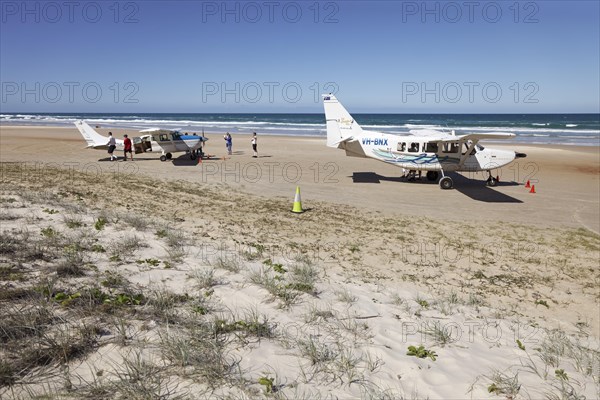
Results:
<point x="207" y="286"/>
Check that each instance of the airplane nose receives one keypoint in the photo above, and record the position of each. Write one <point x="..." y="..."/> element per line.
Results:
<point x="520" y="155"/>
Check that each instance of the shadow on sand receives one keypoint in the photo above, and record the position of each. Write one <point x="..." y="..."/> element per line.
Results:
<point x="135" y="159"/>
<point x="476" y="189"/>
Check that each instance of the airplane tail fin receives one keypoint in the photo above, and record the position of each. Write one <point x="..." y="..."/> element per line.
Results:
<point x="92" y="137"/>
<point x="341" y="126"/>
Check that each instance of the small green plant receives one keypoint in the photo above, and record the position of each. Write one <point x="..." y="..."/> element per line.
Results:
<point x="521" y="345"/>
<point x="98" y="248"/>
<point x="276" y="267"/>
<point x="73" y="223"/>
<point x="202" y="310"/>
<point x="493" y="388"/>
<point x="65" y="299"/>
<point x="354" y="248"/>
<point x="423" y="303"/>
<point x="113" y="279"/>
<point x="255" y="251"/>
<point x="127" y="299"/>
<point x="161" y="233"/>
<point x="50" y="211"/>
<point x="150" y="261"/>
<point x="503" y="384"/>
<point x="542" y="303"/>
<point x="115" y="258"/>
<point x="267" y="383"/>
<point x="49" y="232"/>
<point x="167" y="265"/>
<point x="100" y="223"/>
<point x="561" y="374"/>
<point x="421" y="352"/>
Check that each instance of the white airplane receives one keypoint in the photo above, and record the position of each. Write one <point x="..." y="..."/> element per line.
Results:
<point x="424" y="150"/>
<point x="154" y="139"/>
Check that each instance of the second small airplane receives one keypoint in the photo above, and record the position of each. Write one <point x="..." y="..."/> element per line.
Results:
<point x="166" y="141"/>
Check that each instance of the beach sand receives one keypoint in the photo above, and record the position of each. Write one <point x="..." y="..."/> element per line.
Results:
<point x="502" y="284"/>
<point x="567" y="179"/>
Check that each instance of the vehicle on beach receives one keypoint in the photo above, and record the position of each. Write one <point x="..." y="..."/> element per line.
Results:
<point x="166" y="141"/>
<point x="433" y="151"/>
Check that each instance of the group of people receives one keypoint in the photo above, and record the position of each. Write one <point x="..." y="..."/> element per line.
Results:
<point x="112" y="145"/>
<point x="229" y="144"/>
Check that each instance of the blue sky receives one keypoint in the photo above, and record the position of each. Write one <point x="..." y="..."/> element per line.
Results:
<point x="389" y="56"/>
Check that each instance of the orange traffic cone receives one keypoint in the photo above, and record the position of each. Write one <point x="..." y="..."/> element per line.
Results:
<point x="532" y="189"/>
<point x="528" y="184"/>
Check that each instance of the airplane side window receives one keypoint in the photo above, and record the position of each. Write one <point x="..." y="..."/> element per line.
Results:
<point x="431" y="147"/>
<point x="450" y="148"/>
<point x="414" y="148"/>
<point x="401" y="146"/>
<point x="163" y="138"/>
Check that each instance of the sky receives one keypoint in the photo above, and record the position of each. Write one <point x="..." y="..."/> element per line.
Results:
<point x="279" y="56"/>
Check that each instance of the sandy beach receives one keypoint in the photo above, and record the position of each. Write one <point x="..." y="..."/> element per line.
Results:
<point x="500" y="286"/>
<point x="567" y="179"/>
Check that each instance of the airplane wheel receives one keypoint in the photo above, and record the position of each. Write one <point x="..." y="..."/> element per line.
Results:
<point x="169" y="156"/>
<point x="432" y="176"/>
<point x="492" y="182"/>
<point x="193" y="156"/>
<point x="163" y="158"/>
<point x="446" y="183"/>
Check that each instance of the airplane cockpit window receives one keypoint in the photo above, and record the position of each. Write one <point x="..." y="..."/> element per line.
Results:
<point x="176" y="135"/>
<point x="431" y="147"/>
<point x="414" y="148"/>
<point x="466" y="146"/>
<point x="401" y="146"/>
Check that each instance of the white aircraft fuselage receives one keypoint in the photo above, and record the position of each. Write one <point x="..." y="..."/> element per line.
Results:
<point x="424" y="150"/>
<point x="166" y="141"/>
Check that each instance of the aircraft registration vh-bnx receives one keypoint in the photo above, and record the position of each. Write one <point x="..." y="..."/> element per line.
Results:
<point x="166" y="141"/>
<point x="427" y="150"/>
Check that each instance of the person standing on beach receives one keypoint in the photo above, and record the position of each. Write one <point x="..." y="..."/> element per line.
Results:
<point x="254" y="145"/>
<point x="127" y="148"/>
<point x="112" y="145"/>
<point x="228" y="143"/>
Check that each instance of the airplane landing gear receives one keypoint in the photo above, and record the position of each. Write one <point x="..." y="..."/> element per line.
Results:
<point x="193" y="155"/>
<point x="432" y="176"/>
<point x="491" y="181"/>
<point x="169" y="156"/>
<point x="163" y="158"/>
<point x="446" y="183"/>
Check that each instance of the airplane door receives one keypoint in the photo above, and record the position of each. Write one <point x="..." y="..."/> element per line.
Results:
<point x="141" y="145"/>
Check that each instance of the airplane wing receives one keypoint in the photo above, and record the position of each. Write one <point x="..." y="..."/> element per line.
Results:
<point x="478" y="136"/>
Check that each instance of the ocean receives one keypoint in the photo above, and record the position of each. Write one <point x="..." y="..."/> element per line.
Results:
<point x="564" y="129"/>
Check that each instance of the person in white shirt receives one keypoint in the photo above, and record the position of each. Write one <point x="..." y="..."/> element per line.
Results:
<point x="112" y="145"/>
<point x="254" y="145"/>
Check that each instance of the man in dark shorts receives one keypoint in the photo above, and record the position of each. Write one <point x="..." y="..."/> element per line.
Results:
<point x="127" y="147"/>
<point x="254" y="145"/>
<point x="112" y="145"/>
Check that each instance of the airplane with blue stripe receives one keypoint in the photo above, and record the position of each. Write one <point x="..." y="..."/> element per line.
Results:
<point x="435" y="152"/>
<point x="167" y="141"/>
